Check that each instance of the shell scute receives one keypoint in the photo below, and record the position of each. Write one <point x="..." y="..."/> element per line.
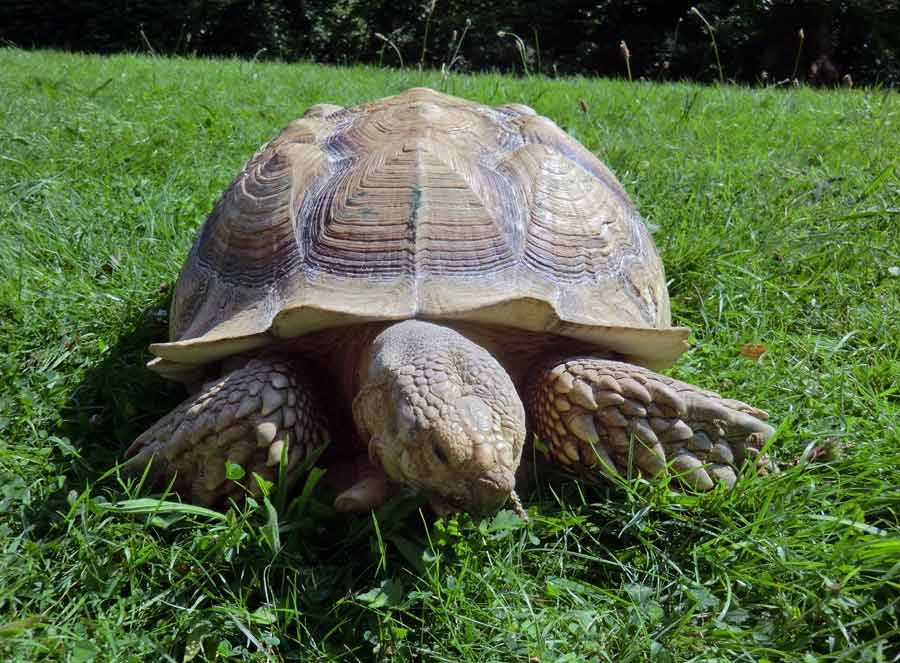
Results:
<point x="422" y="205"/>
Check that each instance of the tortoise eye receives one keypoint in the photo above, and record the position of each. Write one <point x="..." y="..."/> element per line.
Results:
<point x="438" y="452"/>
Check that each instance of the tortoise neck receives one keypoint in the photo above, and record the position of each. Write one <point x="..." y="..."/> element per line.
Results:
<point x="338" y="355"/>
<point x="349" y="357"/>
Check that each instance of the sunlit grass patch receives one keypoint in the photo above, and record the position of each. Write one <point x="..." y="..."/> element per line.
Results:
<point x="776" y="212"/>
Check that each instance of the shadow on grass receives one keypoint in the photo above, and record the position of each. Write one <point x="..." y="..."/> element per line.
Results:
<point x="118" y="398"/>
<point x="113" y="401"/>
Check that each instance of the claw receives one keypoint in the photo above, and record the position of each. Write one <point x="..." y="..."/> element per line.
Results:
<point x="274" y="455"/>
<point x="642" y="429"/>
<point x="723" y="474"/>
<point x="721" y="453"/>
<point x="748" y="425"/>
<point x="650" y="457"/>
<point x="265" y="433"/>
<point x="690" y="471"/>
<point x="279" y="380"/>
<point x="368" y="493"/>
<point x="761" y="461"/>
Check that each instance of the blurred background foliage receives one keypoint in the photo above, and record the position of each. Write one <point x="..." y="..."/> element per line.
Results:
<point x="757" y="40"/>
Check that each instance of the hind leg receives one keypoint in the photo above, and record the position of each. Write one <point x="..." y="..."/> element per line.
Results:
<point x="251" y="416"/>
<point x="617" y="418"/>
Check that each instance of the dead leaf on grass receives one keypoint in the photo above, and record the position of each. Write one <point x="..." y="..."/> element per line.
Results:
<point x="753" y="351"/>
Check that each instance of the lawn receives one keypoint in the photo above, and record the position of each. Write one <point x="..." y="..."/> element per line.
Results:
<point x="776" y="212"/>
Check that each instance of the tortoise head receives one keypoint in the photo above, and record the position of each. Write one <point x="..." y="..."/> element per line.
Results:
<point x="442" y="416"/>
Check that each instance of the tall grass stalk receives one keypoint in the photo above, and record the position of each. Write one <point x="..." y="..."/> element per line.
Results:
<point x="712" y="38"/>
<point x="455" y="46"/>
<point x="623" y="47"/>
<point x="520" y="45"/>
<point x="392" y="45"/>
<point x="425" y="36"/>
<point x="801" y="36"/>
<point x="147" y="44"/>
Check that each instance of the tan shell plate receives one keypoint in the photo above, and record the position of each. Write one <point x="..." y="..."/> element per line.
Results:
<point x="428" y="206"/>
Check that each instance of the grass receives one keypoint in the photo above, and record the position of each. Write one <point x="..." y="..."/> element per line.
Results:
<point x="777" y="217"/>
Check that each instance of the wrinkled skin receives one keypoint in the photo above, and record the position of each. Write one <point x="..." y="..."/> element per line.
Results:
<point x="442" y="416"/>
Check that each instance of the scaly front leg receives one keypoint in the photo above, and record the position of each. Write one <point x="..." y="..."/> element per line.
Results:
<point x="613" y="417"/>
<point x="245" y="417"/>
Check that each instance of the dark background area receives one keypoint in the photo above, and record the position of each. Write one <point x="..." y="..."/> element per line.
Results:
<point x="756" y="41"/>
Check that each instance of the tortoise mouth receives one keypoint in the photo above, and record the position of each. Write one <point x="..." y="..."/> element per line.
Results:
<point x="482" y="496"/>
<point x="496" y="481"/>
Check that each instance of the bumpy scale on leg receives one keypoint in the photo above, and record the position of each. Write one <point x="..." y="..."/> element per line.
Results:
<point x="245" y="417"/>
<point x="610" y="416"/>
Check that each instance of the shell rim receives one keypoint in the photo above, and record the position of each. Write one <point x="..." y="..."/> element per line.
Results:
<point x="655" y="348"/>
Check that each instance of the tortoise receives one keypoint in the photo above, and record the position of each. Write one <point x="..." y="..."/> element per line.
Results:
<point x="428" y="278"/>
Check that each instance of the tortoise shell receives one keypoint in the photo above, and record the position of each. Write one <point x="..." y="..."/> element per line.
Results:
<point x="426" y="206"/>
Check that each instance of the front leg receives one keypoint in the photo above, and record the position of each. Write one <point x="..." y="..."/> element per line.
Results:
<point x="617" y="418"/>
<point x="247" y="417"/>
